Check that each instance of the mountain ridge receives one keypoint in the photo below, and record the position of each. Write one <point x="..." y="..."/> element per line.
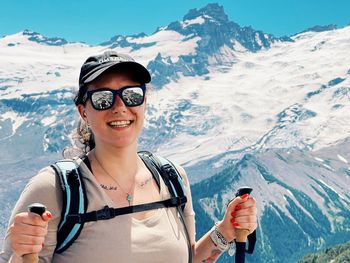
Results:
<point x="291" y="221"/>
<point x="211" y="9"/>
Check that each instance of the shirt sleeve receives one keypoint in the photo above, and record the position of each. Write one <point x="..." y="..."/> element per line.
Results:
<point x="188" y="211"/>
<point x="43" y="188"/>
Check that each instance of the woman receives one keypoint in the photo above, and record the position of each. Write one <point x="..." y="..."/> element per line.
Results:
<point x="111" y="102"/>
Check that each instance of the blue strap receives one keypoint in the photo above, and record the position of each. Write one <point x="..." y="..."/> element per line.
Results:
<point x="73" y="192"/>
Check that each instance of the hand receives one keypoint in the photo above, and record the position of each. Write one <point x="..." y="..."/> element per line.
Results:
<point x="28" y="231"/>
<point x="241" y="214"/>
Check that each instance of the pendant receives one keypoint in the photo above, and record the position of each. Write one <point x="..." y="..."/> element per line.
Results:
<point x="129" y="198"/>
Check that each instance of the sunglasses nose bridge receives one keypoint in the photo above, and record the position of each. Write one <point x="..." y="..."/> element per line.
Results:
<point x="118" y="102"/>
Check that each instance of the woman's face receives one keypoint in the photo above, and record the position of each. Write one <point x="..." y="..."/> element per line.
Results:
<point x="118" y="126"/>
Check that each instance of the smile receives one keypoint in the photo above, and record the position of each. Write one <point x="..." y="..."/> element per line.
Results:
<point x="120" y="124"/>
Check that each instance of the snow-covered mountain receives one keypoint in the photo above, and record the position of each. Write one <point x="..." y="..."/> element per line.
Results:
<point x="204" y="37"/>
<point x="240" y="104"/>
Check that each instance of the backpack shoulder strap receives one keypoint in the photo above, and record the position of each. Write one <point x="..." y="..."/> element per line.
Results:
<point x="74" y="201"/>
<point x="171" y="176"/>
<point x="173" y="180"/>
<point x="146" y="158"/>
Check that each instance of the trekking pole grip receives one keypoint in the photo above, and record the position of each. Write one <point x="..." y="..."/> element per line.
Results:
<point x="39" y="209"/>
<point x="241" y="234"/>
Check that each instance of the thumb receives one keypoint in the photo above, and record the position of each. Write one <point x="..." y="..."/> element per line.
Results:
<point x="46" y="216"/>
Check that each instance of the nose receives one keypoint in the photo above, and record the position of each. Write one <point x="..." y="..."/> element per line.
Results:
<point x="118" y="105"/>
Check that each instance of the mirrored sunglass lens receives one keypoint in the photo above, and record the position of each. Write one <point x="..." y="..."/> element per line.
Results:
<point x="133" y="96"/>
<point x="102" y="99"/>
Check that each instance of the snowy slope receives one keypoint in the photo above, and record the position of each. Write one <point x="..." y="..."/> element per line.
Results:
<point x="282" y="91"/>
<point x="292" y="95"/>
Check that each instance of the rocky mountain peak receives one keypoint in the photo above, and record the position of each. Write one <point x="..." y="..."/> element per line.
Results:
<point x="320" y="28"/>
<point x="39" y="38"/>
<point x="211" y="12"/>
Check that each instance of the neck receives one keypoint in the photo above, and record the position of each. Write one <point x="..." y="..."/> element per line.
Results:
<point x="121" y="163"/>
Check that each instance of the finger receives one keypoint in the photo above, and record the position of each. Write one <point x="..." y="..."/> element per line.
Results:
<point x="244" y="212"/>
<point x="21" y="249"/>
<point x="250" y="226"/>
<point x="23" y="239"/>
<point x="32" y="219"/>
<point x="249" y="202"/>
<point x="237" y="201"/>
<point x="22" y="228"/>
<point x="46" y="216"/>
<point x="245" y="219"/>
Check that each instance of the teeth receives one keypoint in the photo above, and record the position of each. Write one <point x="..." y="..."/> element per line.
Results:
<point x="119" y="123"/>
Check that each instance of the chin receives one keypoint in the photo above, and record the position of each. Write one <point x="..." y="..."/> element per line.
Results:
<point x="123" y="143"/>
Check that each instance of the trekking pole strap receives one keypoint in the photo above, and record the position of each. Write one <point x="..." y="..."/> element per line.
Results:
<point x="110" y="212"/>
<point x="240" y="252"/>
<point x="251" y="242"/>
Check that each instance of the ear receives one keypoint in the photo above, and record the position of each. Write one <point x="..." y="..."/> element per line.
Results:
<point x="82" y="113"/>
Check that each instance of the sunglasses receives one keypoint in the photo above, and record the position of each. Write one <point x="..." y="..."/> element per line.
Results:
<point x="104" y="98"/>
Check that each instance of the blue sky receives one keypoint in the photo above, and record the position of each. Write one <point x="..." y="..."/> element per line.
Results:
<point x="97" y="21"/>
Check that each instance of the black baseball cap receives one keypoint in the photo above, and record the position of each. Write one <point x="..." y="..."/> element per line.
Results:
<point x="95" y="65"/>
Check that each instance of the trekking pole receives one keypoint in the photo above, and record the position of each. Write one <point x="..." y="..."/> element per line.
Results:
<point x="39" y="209"/>
<point x="241" y="234"/>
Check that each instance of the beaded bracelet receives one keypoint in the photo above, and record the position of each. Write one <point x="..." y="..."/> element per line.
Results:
<point x="221" y="242"/>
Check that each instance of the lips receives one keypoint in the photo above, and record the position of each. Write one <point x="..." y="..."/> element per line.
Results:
<point x="120" y="123"/>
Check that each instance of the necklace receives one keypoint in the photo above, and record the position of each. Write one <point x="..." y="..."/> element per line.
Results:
<point x="129" y="196"/>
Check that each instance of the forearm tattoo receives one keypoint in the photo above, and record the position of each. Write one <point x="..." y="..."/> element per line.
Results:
<point x="215" y="254"/>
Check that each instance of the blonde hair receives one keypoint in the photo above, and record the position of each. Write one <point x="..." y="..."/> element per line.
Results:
<point x="83" y="139"/>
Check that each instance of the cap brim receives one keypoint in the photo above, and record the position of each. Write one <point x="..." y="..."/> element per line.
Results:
<point x="141" y="73"/>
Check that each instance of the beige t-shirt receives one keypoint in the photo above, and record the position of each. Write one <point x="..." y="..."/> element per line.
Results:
<point x="158" y="238"/>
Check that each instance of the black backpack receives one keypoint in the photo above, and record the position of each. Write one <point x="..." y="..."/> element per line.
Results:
<point x="75" y="202"/>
